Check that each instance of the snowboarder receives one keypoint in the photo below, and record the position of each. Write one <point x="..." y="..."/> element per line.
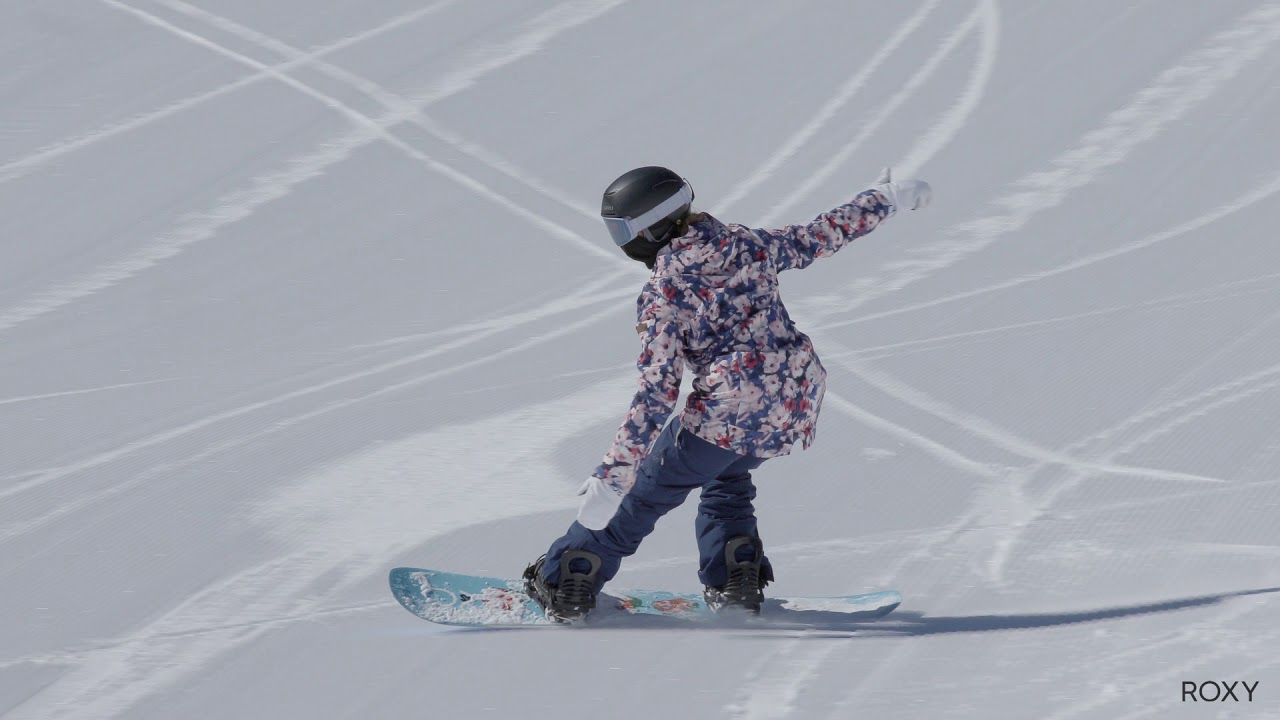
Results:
<point x="711" y="303"/>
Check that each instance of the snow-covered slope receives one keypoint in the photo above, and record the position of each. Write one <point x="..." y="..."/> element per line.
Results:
<point x="294" y="292"/>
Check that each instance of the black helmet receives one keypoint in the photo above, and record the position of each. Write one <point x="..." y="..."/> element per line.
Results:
<point x="644" y="208"/>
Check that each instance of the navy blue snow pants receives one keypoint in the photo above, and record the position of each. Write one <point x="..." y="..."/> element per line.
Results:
<point x="678" y="463"/>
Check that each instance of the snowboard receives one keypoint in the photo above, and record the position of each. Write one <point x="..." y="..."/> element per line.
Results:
<point x="472" y="601"/>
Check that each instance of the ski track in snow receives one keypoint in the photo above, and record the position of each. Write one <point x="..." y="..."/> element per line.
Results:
<point x="265" y="189"/>
<point x="391" y="101"/>
<point x="17" y="168"/>
<point x="401" y="111"/>
<point x="770" y="687"/>
<point x="1181" y="410"/>
<point x="949" y="126"/>
<point x="85" y="391"/>
<point x="946" y="455"/>
<point x="988" y="431"/>
<point x="1178" y="411"/>
<point x="1176" y="301"/>
<point x="984" y="18"/>
<point x="587" y="295"/>
<point x="1249" y="199"/>
<point x="1174" y="94"/>
<point x="829" y="109"/>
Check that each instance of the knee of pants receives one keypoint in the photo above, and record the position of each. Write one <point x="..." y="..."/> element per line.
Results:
<point x="716" y="503"/>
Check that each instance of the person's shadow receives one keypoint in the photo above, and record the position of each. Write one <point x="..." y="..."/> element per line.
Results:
<point x="915" y="623"/>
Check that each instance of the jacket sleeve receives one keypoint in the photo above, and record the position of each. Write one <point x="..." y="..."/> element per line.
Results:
<point x="661" y="366"/>
<point x="797" y="246"/>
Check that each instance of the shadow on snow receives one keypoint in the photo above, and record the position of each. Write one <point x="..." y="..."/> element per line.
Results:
<point x="921" y="624"/>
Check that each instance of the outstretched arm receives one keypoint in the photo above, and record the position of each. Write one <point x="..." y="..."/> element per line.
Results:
<point x="797" y="246"/>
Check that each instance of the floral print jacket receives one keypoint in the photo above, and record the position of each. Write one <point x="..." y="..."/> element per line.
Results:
<point x="712" y="304"/>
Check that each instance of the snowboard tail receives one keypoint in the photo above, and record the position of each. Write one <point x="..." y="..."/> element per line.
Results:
<point x="473" y="601"/>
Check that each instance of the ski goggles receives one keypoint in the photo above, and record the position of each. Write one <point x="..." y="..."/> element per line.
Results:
<point x="624" y="230"/>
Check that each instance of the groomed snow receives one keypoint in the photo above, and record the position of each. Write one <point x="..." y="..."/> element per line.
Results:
<point x="292" y="293"/>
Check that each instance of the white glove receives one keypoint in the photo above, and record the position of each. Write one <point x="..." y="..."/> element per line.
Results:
<point x="904" y="194"/>
<point x="600" y="503"/>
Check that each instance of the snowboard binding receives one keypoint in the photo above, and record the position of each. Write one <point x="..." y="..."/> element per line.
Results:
<point x="574" y="596"/>
<point x="744" y="589"/>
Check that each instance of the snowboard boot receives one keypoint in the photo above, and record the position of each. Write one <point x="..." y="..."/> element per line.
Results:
<point x="744" y="590"/>
<point x="574" y="596"/>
